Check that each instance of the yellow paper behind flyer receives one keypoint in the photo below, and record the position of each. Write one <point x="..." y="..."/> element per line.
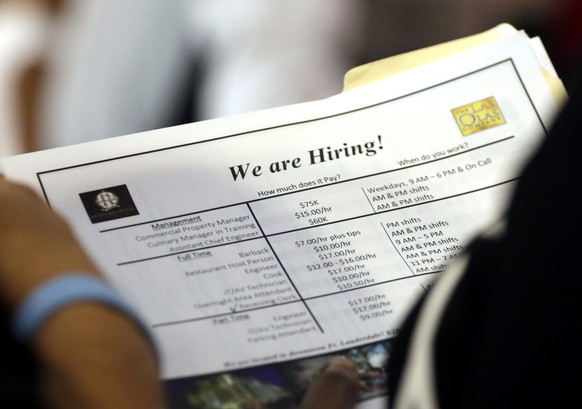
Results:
<point x="376" y="70"/>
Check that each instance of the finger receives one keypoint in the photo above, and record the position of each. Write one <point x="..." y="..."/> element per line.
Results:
<point x="336" y="388"/>
<point x="17" y="191"/>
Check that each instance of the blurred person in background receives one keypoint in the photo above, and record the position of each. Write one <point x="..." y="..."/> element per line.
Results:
<point x="109" y="68"/>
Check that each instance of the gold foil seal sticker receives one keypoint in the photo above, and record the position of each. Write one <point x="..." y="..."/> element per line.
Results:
<point x="478" y="116"/>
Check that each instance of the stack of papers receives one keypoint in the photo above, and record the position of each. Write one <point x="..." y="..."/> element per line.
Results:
<point x="258" y="246"/>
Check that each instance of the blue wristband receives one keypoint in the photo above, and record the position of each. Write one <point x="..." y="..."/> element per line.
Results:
<point x="61" y="291"/>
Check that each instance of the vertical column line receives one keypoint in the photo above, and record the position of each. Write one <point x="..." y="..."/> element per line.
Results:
<point x="285" y="270"/>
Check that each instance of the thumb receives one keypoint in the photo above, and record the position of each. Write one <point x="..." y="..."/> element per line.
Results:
<point x="336" y="387"/>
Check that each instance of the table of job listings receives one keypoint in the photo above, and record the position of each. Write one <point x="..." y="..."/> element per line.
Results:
<point x="324" y="256"/>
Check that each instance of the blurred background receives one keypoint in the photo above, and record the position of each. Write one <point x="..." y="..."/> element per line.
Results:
<point x="79" y="70"/>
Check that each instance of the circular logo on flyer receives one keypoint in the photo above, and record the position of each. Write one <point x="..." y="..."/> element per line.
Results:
<point x="107" y="201"/>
